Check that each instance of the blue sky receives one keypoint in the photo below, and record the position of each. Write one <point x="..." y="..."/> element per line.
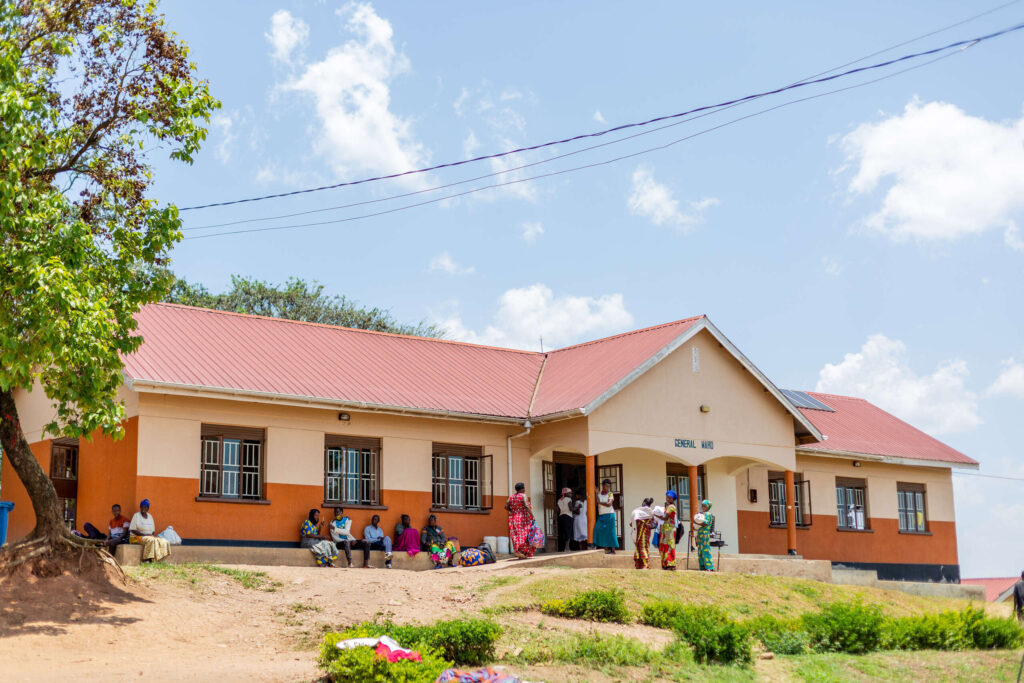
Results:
<point x="869" y="242"/>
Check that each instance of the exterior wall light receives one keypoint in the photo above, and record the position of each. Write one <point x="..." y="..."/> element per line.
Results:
<point x="344" y="417"/>
<point x="705" y="409"/>
<point x="856" y="463"/>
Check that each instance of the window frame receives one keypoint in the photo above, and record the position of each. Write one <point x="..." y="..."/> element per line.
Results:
<point x="368" y="475"/>
<point x="681" y="472"/>
<point x="246" y="437"/>
<point x="847" y="484"/>
<point x="918" y="493"/>
<point x="444" y="481"/>
<point x="801" y="503"/>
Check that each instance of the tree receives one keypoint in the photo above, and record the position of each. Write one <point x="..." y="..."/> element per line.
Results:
<point x="89" y="89"/>
<point x="296" y="299"/>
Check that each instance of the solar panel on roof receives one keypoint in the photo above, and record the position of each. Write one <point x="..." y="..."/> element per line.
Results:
<point x="801" y="399"/>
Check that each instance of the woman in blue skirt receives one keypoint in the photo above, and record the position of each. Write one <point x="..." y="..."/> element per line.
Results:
<point x="605" y="532"/>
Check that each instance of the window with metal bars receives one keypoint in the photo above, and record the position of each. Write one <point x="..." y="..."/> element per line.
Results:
<point x="777" y="499"/>
<point x="678" y="480"/>
<point x="461" y="478"/>
<point x="352" y="470"/>
<point x="231" y="463"/>
<point x="851" y="508"/>
<point x="910" y="503"/>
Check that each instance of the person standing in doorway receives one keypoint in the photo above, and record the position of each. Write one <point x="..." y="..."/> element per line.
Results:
<point x="564" y="519"/>
<point x="579" y="522"/>
<point x="605" y="533"/>
<point x="1018" y="598"/>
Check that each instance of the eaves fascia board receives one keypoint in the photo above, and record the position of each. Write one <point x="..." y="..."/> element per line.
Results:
<point x="887" y="459"/>
<point x="151" y="386"/>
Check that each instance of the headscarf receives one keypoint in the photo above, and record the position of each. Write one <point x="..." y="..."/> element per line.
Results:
<point x="671" y="495"/>
<point x="706" y="504"/>
<point x="144" y="503"/>
<point x="312" y="513"/>
<point x="566" y="492"/>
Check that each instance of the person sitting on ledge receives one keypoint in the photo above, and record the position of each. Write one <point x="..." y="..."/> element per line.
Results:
<point x="310" y="537"/>
<point x="374" y="539"/>
<point x="341" y="533"/>
<point x="432" y="535"/>
<point x="118" y="528"/>
<point x="406" y="538"/>
<point x="143" y="532"/>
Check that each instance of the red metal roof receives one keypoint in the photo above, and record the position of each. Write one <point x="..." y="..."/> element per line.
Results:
<point x="993" y="587"/>
<point x="576" y="375"/>
<point x="858" y="426"/>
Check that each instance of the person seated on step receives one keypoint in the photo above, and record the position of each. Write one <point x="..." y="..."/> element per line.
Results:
<point x="324" y="551"/>
<point x="117" y="528"/>
<point x="406" y="538"/>
<point x="432" y="535"/>
<point x="374" y="539"/>
<point x="341" y="533"/>
<point x="142" y="530"/>
<point x="445" y="554"/>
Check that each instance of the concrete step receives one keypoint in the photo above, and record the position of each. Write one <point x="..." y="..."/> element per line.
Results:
<point x="129" y="555"/>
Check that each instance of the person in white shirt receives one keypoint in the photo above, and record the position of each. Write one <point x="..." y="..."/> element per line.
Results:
<point x="341" y="533"/>
<point x="579" y="522"/>
<point x="564" y="519"/>
<point x="143" y="532"/>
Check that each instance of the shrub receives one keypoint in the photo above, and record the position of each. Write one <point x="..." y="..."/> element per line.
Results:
<point x="597" y="605"/>
<point x="852" y="627"/>
<point x="602" y="650"/>
<point x="969" y="628"/>
<point x="463" y="641"/>
<point x="361" y="664"/>
<point x="713" y="636"/>
<point x="781" y="636"/>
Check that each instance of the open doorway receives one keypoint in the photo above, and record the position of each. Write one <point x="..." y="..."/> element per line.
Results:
<point x="564" y="470"/>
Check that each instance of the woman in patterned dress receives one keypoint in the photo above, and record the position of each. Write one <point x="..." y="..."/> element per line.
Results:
<point x="667" y="533"/>
<point x="643" y="521"/>
<point x="707" y="563"/>
<point x="520" y="519"/>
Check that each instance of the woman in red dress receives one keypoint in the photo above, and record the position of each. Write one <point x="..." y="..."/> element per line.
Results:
<point x="520" y="519"/>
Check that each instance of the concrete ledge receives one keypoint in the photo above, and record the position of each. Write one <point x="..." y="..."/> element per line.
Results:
<point x="869" y="578"/>
<point x="131" y="556"/>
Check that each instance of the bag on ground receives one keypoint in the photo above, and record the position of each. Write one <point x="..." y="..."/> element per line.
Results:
<point x="485" y="550"/>
<point x="535" y="536"/>
<point x="170" y="535"/>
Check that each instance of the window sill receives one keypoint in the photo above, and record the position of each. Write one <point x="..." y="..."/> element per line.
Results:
<point x="917" y="533"/>
<point x="856" y="531"/>
<point x="351" y="506"/>
<point x="460" y="511"/>
<point x="243" y="501"/>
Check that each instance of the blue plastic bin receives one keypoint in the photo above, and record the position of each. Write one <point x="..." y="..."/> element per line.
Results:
<point x="5" y="510"/>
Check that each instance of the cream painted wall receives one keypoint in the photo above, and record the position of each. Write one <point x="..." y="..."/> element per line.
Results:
<point x="564" y="435"/>
<point x="169" y="429"/>
<point x="35" y="410"/>
<point x="721" y="491"/>
<point x="664" y="404"/>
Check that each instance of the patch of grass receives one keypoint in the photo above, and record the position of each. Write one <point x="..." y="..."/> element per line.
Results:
<point x="606" y="605"/>
<point x="495" y="582"/>
<point x="299" y="607"/>
<point x="194" y="573"/>
<point x="992" y="665"/>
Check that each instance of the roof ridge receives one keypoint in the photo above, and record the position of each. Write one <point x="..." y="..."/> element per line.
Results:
<point x="822" y="393"/>
<point x="346" y="329"/>
<point x="626" y="334"/>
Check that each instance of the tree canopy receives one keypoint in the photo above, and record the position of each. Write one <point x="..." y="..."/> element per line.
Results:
<point x="89" y="90"/>
<point x="296" y="299"/>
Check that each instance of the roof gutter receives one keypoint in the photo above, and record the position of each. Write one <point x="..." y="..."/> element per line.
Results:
<point x="887" y="459"/>
<point x="150" y="386"/>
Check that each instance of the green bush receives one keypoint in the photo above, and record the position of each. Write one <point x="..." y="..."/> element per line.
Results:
<point x="597" y="605"/>
<point x="967" y="629"/>
<point x="781" y="636"/>
<point x="463" y="641"/>
<point x="602" y="650"/>
<point x="850" y="627"/>
<point x="361" y="664"/>
<point x="713" y="636"/>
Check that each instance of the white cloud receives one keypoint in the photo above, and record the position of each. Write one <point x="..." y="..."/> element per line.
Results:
<point x="444" y="263"/>
<point x="510" y="94"/>
<point x="460" y="102"/>
<point x="531" y="231"/>
<point x="939" y="403"/>
<point x="470" y="145"/>
<point x="1012" y="237"/>
<point x="599" y="117"/>
<point x="654" y="201"/>
<point x="351" y="90"/>
<point x="223" y="124"/>
<point x="831" y="266"/>
<point x="1010" y="381"/>
<point x="949" y="174"/>
<point x="286" y="34"/>
<point x="526" y="314"/>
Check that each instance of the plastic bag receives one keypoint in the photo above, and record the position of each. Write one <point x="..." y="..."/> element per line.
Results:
<point x="170" y="535"/>
<point x="535" y="536"/>
<point x="655" y="537"/>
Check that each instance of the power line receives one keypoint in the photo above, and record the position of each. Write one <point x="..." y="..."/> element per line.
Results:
<point x="800" y="84"/>
<point x="988" y="476"/>
<point x="576" y="168"/>
<point x="403" y="195"/>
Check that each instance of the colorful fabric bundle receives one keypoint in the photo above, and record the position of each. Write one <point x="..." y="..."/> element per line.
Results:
<point x="471" y="557"/>
<point x="535" y="537"/>
<point x="484" y="675"/>
<point x="385" y="648"/>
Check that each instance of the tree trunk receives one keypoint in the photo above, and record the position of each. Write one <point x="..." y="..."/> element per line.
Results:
<point x="49" y="517"/>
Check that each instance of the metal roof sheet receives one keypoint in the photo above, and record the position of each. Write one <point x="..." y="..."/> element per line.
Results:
<point x="858" y="426"/>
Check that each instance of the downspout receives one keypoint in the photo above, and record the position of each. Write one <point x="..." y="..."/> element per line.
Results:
<point x="528" y="425"/>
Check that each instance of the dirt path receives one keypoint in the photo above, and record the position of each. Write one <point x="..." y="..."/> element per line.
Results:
<point x="170" y="630"/>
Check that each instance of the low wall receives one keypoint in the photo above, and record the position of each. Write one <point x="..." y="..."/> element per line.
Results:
<point x="131" y="556"/>
<point x="928" y="589"/>
<point x="765" y="565"/>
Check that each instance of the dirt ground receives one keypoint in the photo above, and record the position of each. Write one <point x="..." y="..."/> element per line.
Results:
<point x="171" y="630"/>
